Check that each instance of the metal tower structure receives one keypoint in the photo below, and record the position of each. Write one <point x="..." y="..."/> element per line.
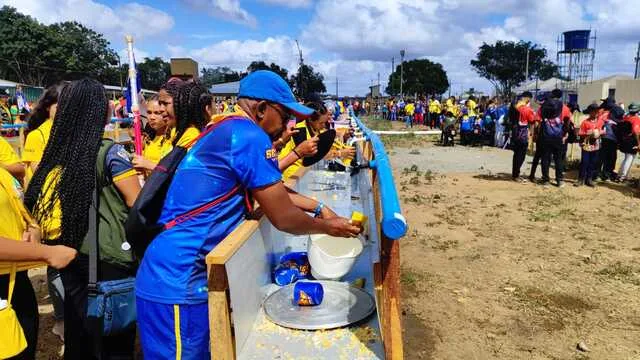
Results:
<point x="576" y="52"/>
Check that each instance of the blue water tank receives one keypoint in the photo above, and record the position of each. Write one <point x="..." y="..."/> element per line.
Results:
<point x="576" y="40"/>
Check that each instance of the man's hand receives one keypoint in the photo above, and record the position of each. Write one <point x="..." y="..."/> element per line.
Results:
<point x="341" y="227"/>
<point x="326" y="213"/>
<point x="308" y="148"/>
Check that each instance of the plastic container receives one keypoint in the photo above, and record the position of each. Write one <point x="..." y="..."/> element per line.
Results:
<point x="330" y="257"/>
<point x="306" y="293"/>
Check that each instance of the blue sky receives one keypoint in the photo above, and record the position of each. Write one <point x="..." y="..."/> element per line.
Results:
<point x="354" y="39"/>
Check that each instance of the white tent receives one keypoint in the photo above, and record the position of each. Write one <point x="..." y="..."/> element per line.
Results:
<point x="540" y="86"/>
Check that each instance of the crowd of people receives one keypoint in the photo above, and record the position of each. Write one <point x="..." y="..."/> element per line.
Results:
<point x="235" y="158"/>
<point x="601" y="131"/>
<point x="552" y="128"/>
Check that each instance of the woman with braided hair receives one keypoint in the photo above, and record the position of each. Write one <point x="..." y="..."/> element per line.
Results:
<point x="186" y="108"/>
<point x="75" y="162"/>
<point x="174" y="102"/>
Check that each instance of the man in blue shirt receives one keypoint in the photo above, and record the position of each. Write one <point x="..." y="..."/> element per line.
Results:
<point x="171" y="285"/>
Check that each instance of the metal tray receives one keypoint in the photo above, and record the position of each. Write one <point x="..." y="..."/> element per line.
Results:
<point x="342" y="305"/>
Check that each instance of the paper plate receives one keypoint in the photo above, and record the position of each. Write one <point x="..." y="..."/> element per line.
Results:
<point x="342" y="305"/>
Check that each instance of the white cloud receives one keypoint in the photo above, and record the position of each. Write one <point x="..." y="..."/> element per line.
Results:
<point x="229" y="10"/>
<point x="290" y="3"/>
<point x="114" y="22"/>
<point x="450" y="32"/>
<point x="238" y="54"/>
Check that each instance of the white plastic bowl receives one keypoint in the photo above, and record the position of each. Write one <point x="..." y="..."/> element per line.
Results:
<point x="330" y="257"/>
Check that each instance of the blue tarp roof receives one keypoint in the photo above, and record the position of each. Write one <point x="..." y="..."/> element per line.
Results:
<point x="230" y="88"/>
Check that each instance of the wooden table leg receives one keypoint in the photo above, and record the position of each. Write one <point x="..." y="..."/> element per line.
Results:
<point x="221" y="338"/>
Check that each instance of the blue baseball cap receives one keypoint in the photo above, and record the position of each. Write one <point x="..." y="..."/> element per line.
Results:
<point x="267" y="85"/>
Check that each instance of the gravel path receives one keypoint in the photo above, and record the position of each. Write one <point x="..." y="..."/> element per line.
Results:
<point x="458" y="159"/>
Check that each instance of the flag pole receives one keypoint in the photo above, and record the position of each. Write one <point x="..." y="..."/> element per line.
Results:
<point x="137" y="127"/>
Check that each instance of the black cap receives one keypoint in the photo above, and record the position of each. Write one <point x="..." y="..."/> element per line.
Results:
<point x="556" y="93"/>
<point x="608" y="103"/>
<point x="526" y="94"/>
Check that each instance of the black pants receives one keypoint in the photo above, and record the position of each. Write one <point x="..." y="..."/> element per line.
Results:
<point x="519" y="154"/>
<point x="79" y="338"/>
<point x="608" y="157"/>
<point x="537" y="157"/>
<point x="25" y="305"/>
<point x="555" y="150"/>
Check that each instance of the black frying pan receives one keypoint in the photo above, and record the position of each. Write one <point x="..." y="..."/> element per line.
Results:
<point x="325" y="141"/>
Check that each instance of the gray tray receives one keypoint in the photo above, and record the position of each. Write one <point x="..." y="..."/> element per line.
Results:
<point x="342" y="305"/>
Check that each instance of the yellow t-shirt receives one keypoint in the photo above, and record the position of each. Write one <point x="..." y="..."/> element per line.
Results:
<point x="409" y="108"/>
<point x="7" y="155"/>
<point x="158" y="148"/>
<point x="435" y="107"/>
<point x="471" y="108"/>
<point x="10" y="193"/>
<point x="51" y="224"/>
<point x="34" y="146"/>
<point x="36" y="142"/>
<point x="288" y="148"/>
<point x="189" y="134"/>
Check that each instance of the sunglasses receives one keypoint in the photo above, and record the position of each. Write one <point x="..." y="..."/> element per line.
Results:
<point x="284" y="115"/>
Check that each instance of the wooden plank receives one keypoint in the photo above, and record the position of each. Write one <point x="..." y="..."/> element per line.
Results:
<point x="220" y="336"/>
<point x="391" y="321"/>
<point x="227" y="247"/>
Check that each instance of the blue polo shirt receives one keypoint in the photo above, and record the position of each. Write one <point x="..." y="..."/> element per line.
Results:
<point x="173" y="270"/>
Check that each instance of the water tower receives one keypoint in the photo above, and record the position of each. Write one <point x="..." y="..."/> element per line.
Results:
<point x="575" y="57"/>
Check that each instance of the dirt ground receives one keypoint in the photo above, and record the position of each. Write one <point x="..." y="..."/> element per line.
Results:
<point x="493" y="269"/>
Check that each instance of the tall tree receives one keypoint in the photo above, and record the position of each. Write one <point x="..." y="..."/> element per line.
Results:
<point x="504" y="64"/>
<point x="220" y="74"/>
<point x="153" y="72"/>
<point x="307" y="82"/>
<point x="37" y="54"/>
<point x="420" y="76"/>
<point x="261" y="65"/>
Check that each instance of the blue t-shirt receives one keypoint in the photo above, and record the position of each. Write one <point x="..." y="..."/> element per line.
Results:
<point x="173" y="270"/>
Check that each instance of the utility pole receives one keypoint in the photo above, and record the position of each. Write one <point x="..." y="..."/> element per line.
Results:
<point x="637" y="74"/>
<point x="527" y="68"/>
<point x="393" y="61"/>
<point x="401" y="71"/>
<point x="336" y="83"/>
<point x="300" y="92"/>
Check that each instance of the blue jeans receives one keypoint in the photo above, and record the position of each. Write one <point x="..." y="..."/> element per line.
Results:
<point x="408" y="120"/>
<point x="588" y="165"/>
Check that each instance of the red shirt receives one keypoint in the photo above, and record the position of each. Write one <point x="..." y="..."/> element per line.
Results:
<point x="527" y="115"/>
<point x="603" y="115"/>
<point x="635" y="123"/>
<point x="588" y="125"/>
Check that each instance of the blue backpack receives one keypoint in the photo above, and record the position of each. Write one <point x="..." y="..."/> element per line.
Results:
<point x="552" y="129"/>
<point x="466" y="125"/>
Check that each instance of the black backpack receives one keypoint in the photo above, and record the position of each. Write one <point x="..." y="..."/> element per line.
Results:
<point x="142" y="224"/>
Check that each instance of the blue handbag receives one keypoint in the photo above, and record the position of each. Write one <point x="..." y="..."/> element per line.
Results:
<point x="111" y="305"/>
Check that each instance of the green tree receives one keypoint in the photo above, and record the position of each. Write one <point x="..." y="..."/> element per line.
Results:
<point x="504" y="64"/>
<point x="420" y="76"/>
<point x="37" y="54"/>
<point x="25" y="55"/>
<point x="153" y="72"/>
<point x="221" y="74"/>
<point x="261" y="65"/>
<point x="307" y="82"/>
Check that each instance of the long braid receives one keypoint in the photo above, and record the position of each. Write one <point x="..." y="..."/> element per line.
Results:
<point x="172" y="87"/>
<point x="71" y="153"/>
<point x="188" y="108"/>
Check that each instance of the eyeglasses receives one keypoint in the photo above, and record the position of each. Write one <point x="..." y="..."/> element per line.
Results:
<point x="285" y="116"/>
